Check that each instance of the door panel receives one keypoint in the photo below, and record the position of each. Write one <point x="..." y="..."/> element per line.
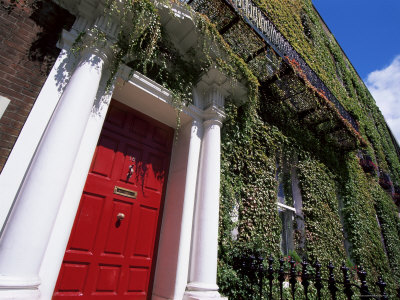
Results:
<point x="138" y="277"/>
<point x="86" y="221"/>
<point x="118" y="229"/>
<point x="104" y="157"/>
<point x="72" y="278"/>
<point x="110" y="254"/>
<point x="147" y="227"/>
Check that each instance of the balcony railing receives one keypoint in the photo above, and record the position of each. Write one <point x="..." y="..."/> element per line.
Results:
<point x="267" y="31"/>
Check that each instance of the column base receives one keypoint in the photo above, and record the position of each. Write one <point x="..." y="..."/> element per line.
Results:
<point x="19" y="294"/>
<point x="196" y="295"/>
<point x="202" y="291"/>
<point x="17" y="288"/>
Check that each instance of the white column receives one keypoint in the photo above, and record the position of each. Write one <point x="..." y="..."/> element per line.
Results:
<point x="188" y="208"/>
<point x="203" y="265"/>
<point x="26" y="235"/>
<point x="171" y="273"/>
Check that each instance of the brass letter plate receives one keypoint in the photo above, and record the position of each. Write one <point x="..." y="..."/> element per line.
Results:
<point x="125" y="192"/>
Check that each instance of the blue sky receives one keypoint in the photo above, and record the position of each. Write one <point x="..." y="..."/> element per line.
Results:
<point x="369" y="33"/>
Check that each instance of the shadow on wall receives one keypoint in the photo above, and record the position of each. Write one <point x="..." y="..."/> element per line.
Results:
<point x="52" y="19"/>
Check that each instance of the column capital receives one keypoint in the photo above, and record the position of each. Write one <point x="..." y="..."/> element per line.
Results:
<point x="214" y="87"/>
<point x="95" y="47"/>
<point x="108" y="26"/>
<point x="88" y="13"/>
<point x="101" y="48"/>
<point x="213" y="116"/>
<point x="210" y="90"/>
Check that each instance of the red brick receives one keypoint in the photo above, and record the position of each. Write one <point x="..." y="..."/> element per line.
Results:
<point x="20" y="82"/>
<point x="7" y="138"/>
<point x="4" y="75"/>
<point x="3" y="161"/>
<point x="6" y="31"/>
<point x="29" y="93"/>
<point x="21" y="78"/>
<point x="23" y="40"/>
<point x="21" y="105"/>
<point x="28" y="100"/>
<point x="34" y="26"/>
<point x="7" y="122"/>
<point x="5" y="60"/>
<point x="15" y="116"/>
<point x="12" y="133"/>
<point x="9" y="19"/>
<point x="3" y="81"/>
<point x="25" y="70"/>
<point x="15" y="87"/>
<point x="11" y="85"/>
<point x="7" y="144"/>
<point x="9" y="92"/>
<point x="26" y="33"/>
<point x="4" y="152"/>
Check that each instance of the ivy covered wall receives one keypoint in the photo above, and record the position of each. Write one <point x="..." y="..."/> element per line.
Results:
<point x="301" y="25"/>
<point x="348" y="216"/>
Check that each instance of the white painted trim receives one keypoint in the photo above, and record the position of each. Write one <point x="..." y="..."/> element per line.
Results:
<point x="281" y="205"/>
<point x="20" y="294"/>
<point x="3" y="105"/>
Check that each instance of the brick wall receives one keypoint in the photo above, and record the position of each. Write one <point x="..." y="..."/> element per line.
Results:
<point x="28" y="36"/>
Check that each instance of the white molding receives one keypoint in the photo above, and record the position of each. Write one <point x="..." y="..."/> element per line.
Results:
<point x="8" y="282"/>
<point x="3" y="105"/>
<point x="146" y="84"/>
<point x="286" y="207"/>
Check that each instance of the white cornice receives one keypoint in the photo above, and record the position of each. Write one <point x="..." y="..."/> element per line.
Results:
<point x="145" y="83"/>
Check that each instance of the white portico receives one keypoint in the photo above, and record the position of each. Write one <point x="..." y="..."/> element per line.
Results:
<point x="47" y="169"/>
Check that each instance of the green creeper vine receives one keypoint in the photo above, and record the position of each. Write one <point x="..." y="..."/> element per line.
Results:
<point x="340" y="201"/>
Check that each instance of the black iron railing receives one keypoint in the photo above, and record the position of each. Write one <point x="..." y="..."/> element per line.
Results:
<point x="287" y="276"/>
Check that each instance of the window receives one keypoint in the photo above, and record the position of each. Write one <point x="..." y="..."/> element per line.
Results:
<point x="289" y="204"/>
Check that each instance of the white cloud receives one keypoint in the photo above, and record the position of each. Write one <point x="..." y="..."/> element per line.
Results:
<point x="384" y="86"/>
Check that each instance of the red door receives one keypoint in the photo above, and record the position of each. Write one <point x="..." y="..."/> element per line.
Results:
<point x="111" y="249"/>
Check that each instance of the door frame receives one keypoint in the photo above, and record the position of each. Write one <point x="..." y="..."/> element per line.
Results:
<point x="145" y="96"/>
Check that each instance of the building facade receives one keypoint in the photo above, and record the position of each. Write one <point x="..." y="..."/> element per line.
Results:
<point x="113" y="181"/>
